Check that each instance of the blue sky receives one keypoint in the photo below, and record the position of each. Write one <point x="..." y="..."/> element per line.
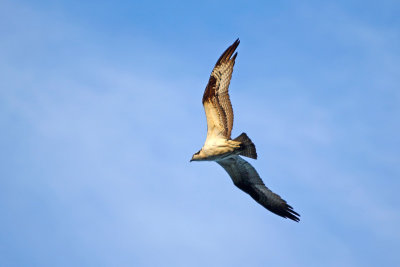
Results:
<point x="100" y="112"/>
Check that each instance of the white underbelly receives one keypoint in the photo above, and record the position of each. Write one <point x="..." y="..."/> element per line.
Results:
<point x="219" y="148"/>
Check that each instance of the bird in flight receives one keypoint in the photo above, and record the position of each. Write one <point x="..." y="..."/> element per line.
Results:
<point x="219" y="146"/>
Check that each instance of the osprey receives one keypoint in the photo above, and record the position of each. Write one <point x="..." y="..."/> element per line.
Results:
<point x="219" y="146"/>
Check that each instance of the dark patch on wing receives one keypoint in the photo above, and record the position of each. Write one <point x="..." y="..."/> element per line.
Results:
<point x="210" y="89"/>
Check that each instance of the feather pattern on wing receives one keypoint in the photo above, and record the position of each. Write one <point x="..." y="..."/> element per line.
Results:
<point x="247" y="179"/>
<point x="217" y="104"/>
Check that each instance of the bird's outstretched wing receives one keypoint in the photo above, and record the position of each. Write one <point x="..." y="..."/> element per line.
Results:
<point x="247" y="179"/>
<point x="216" y="100"/>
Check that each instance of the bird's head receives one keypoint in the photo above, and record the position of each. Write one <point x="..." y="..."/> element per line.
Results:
<point x="196" y="156"/>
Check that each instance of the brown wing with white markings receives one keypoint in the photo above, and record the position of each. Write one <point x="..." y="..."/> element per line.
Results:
<point x="247" y="179"/>
<point x="217" y="104"/>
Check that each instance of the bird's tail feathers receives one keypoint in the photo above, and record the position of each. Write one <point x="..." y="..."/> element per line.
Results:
<point x="247" y="147"/>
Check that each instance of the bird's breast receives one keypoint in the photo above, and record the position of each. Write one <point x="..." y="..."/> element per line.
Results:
<point x="219" y="148"/>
